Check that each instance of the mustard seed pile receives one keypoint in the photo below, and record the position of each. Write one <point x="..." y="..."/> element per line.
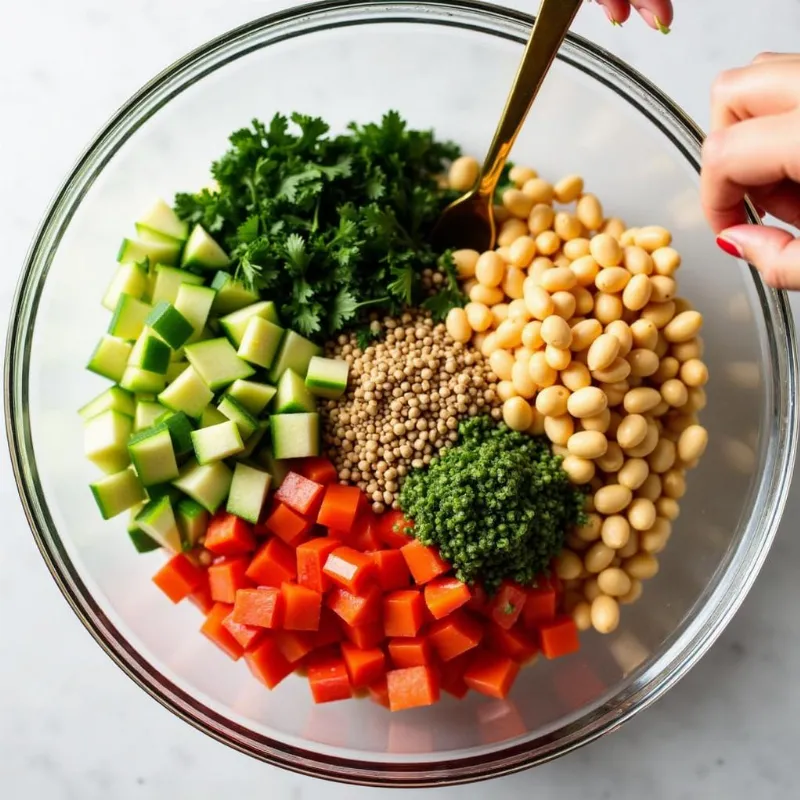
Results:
<point x="405" y="398"/>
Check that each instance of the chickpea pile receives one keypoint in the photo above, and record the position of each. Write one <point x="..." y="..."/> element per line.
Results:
<point x="580" y="320"/>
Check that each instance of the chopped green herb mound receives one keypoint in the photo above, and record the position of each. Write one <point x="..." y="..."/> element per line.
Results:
<point x="334" y="226"/>
<point x="497" y="504"/>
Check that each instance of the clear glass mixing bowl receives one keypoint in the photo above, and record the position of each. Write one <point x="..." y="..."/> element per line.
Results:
<point x="447" y="65"/>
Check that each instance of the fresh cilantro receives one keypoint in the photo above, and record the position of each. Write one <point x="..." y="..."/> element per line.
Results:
<point x="330" y="227"/>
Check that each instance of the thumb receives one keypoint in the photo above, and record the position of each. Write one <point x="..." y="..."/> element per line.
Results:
<point x="774" y="252"/>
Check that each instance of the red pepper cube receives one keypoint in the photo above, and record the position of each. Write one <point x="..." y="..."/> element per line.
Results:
<point x="294" y="645"/>
<point x="329" y="681"/>
<point x="540" y="606"/>
<point x="363" y="636"/>
<point x="318" y="469"/>
<point x="229" y="535"/>
<point x="300" y="494"/>
<point x="179" y="577"/>
<point x="412" y="687"/>
<point x="226" y="577"/>
<point x="248" y="636"/>
<point x="287" y="525"/>
<point x="514" y="643"/>
<point x="379" y="692"/>
<point x="451" y="676"/>
<point x="364" y="665"/>
<point x="273" y="564"/>
<point x="410" y="652"/>
<point x="364" y="533"/>
<point x="507" y="604"/>
<point x="392" y="570"/>
<point x="311" y="558"/>
<point x="403" y="613"/>
<point x="480" y="603"/>
<point x="394" y="530"/>
<point x="455" y="635"/>
<point x="339" y="506"/>
<point x="214" y="630"/>
<point x="301" y="608"/>
<point x="267" y="664"/>
<point x="262" y="607"/>
<point x="445" y="595"/>
<point x="356" y="609"/>
<point x="349" y="569"/>
<point x="559" y="638"/>
<point x="330" y="629"/>
<point x="201" y="597"/>
<point x="491" y="674"/>
<point x="424" y="563"/>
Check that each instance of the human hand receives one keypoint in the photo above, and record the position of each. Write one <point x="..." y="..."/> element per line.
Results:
<point x="656" y="13"/>
<point x="753" y="149"/>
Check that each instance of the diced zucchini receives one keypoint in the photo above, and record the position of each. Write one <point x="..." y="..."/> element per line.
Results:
<point x="217" y="442"/>
<point x="253" y="440"/>
<point x="327" y="377"/>
<point x="141" y="541"/>
<point x="153" y="455"/>
<point x="208" y="484"/>
<point x="175" y="369"/>
<point x="235" y="411"/>
<point x="157" y="520"/>
<point x="160" y="218"/>
<point x="110" y="358"/>
<point x="195" y="302"/>
<point x="135" y="379"/>
<point x="217" y="363"/>
<point x="211" y="416"/>
<point x="180" y="429"/>
<point x="260" y="342"/>
<point x="292" y="395"/>
<point x="130" y="279"/>
<point x="129" y="316"/>
<point x="159" y="490"/>
<point x="150" y="353"/>
<point x="136" y="250"/>
<point x="295" y="435"/>
<point x="168" y="280"/>
<point x="105" y="440"/>
<point x="278" y="469"/>
<point x="202" y="251"/>
<point x="147" y="412"/>
<point x="231" y="294"/>
<point x="170" y="324"/>
<point x="117" y="493"/>
<point x="248" y="492"/>
<point x="114" y="398"/>
<point x="188" y="393"/>
<point x="192" y="521"/>
<point x="235" y="323"/>
<point x="295" y="353"/>
<point x="253" y="396"/>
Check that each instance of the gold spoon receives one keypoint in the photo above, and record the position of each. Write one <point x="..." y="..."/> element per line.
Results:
<point x="469" y="221"/>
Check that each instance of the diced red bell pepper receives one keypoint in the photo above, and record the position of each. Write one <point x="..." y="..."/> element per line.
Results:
<point x="514" y="643"/>
<point x="262" y="607"/>
<point x="410" y="652"/>
<point x="540" y="606"/>
<point x="287" y="524"/>
<point x="394" y="530"/>
<point x="559" y="637"/>
<point x="229" y="535"/>
<point x="491" y="674"/>
<point x="480" y="603"/>
<point x="349" y="569"/>
<point x="273" y="564"/>
<point x="455" y="635"/>
<point x="412" y="687"/>
<point x="379" y="692"/>
<point x="356" y="609"/>
<point x="179" y="577"/>
<point x="364" y="666"/>
<point x="294" y="645"/>
<point x="424" y="563"/>
<point x="329" y="681"/>
<point x="403" y="612"/>
<point x="451" y="676"/>
<point x="340" y="506"/>
<point x="364" y="636"/>
<point x="267" y="663"/>
<point x="226" y="576"/>
<point x="364" y="534"/>
<point x="507" y="604"/>
<point x="300" y="494"/>
<point x="301" y="607"/>
<point x="214" y="630"/>
<point x="444" y="595"/>
<point x="311" y="558"/>
<point x="330" y="629"/>
<point x="248" y="636"/>
<point x="392" y="570"/>
<point x="318" y="469"/>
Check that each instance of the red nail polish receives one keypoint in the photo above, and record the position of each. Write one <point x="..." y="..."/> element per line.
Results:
<point x="728" y="247"/>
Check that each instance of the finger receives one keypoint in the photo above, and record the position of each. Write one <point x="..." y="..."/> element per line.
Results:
<point x="781" y="200"/>
<point x="769" y="56"/>
<point x="774" y="252"/>
<point x="760" y="89"/>
<point x="617" y="10"/>
<point x="656" y="13"/>
<point x="754" y="153"/>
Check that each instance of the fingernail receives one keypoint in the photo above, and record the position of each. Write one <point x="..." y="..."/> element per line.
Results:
<point x="653" y="21"/>
<point x="611" y="19"/>
<point x="660" y="25"/>
<point x="729" y="247"/>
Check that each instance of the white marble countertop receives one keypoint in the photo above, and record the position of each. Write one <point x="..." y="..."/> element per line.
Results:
<point x="72" y="726"/>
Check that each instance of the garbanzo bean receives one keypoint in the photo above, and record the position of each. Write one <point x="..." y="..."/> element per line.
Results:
<point x="613" y="459"/>
<point x="686" y="351"/>
<point x="458" y="326"/>
<point x="694" y="373"/>
<point x="668" y="508"/>
<point x="557" y="357"/>
<point x="614" y="226"/>
<point x="564" y="304"/>
<point x="501" y="362"/>
<point x="489" y="344"/>
<point x="621" y="330"/>
<point x="653" y="237"/>
<point x="558" y="279"/>
<point x="541" y="372"/>
<point x="540" y="190"/>
<point x="684" y="327"/>
<point x="667" y="369"/>
<point x="567" y="226"/>
<point x="645" y="334"/>
<point x="612" y="499"/>
<point x="643" y="362"/>
<point x="584" y="301"/>
<point x="641" y="400"/>
<point x="675" y="393"/>
<point x="660" y="314"/>
<point x="538" y="267"/>
<point x="465" y="261"/>
<point x="576" y="248"/>
<point x="605" y="250"/>
<point x="537" y="426"/>
<point x="576" y="376"/>
<point x="655" y="539"/>
<point x="504" y="253"/>
<point x="615" y="531"/>
<point x="642" y="566"/>
<point x="582" y="616"/>
<point x="602" y="351"/>
<point x="641" y="514"/>
<point x="614" y="582"/>
<point x="673" y="483"/>
<point x="585" y="333"/>
<point x="510" y="231"/>
<point x="509" y="332"/>
<point x="633" y="595"/>
<point x="506" y="390"/>
<point x="637" y="292"/>
<point x="586" y="270"/>
<point x="555" y="331"/>
<point x="631" y="548"/>
<point x="663" y="289"/>
<point x="517" y="310"/>
<point x="662" y="346"/>
<point x="478" y="316"/>
<point x="524" y="385"/>
<point x="540" y="219"/>
<point x="663" y="456"/>
<point x="615" y="392"/>
<point x="490" y="269"/>
<point x="518" y="203"/>
<point x="607" y="307"/>
<point x="618" y="370"/>
<point x="499" y="313"/>
<point x="463" y="173"/>
<point x="522" y="251"/>
<point x="633" y="473"/>
<point x="666" y="261"/>
<point x="692" y="443"/>
<point x="590" y="212"/>
<point x="539" y="303"/>
<point x="532" y="335"/>
<point x="599" y="422"/>
<point x="650" y="489"/>
<point x="568" y="566"/>
<point x="553" y="401"/>
<point x="548" y="242"/>
<point x="559" y="429"/>
<point x="568" y="189"/>
<point x="632" y="430"/>
<point x="486" y="295"/>
<point x="697" y="400"/>
<point x="517" y="414"/>
<point x="587" y="402"/>
<point x="605" y="614"/>
<point x="513" y="282"/>
<point x="612" y="279"/>
<point x="637" y="261"/>
<point x="590" y="532"/>
<point x="598" y="557"/>
<point x="579" y="470"/>
<point x="587" y="444"/>
<point x="520" y="175"/>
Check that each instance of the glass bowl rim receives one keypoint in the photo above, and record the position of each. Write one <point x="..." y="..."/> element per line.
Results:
<point x="485" y="19"/>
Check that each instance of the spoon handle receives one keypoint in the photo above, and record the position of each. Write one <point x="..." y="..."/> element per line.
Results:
<point x="549" y="30"/>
